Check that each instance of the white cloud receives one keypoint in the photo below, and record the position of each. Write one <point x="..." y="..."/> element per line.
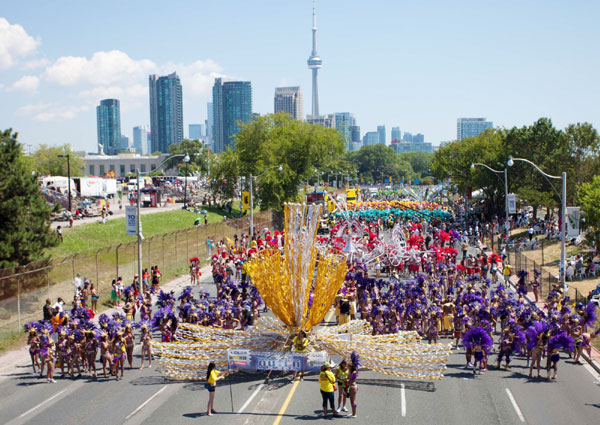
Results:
<point x="197" y="78"/>
<point x="32" y="108"/>
<point x="47" y="112"/>
<point x="36" y="63"/>
<point x="103" y="68"/>
<point x="15" y="43"/>
<point x="60" y="113"/>
<point x="27" y="84"/>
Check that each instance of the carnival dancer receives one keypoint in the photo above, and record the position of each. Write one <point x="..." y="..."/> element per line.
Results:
<point x="555" y="343"/>
<point x="480" y="343"/>
<point x="105" y="355"/>
<point x="48" y="359"/>
<point x="91" y="350"/>
<point x="34" y="349"/>
<point x="341" y="375"/>
<point x="146" y="341"/>
<point x="129" y="344"/>
<point x="351" y="382"/>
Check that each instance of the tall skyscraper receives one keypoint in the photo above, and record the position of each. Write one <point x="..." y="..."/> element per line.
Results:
<point x="408" y="137"/>
<point x="140" y="139"/>
<point x="471" y="127"/>
<point x="381" y="132"/>
<point x="108" y="118"/>
<point x="356" y="141"/>
<point x="166" y="111"/>
<point x="327" y="121"/>
<point x="210" y="122"/>
<point x="196" y="132"/>
<point x="289" y="99"/>
<point x="396" y="134"/>
<point x="232" y="105"/>
<point x="370" y="138"/>
<point x="124" y="143"/>
<point x="314" y="63"/>
<point x="344" y="121"/>
<point x="419" y="138"/>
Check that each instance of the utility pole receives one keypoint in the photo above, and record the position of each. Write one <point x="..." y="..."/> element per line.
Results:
<point x="139" y="231"/>
<point x="251" y="208"/>
<point x="68" y="176"/>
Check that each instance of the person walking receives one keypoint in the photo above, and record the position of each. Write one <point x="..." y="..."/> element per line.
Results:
<point x="327" y="382"/>
<point x="212" y="376"/>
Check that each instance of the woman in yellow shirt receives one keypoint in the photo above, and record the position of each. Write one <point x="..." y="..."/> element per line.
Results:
<point x="327" y="382"/>
<point x="212" y="376"/>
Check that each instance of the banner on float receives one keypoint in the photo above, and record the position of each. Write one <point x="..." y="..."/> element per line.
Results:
<point x="512" y="203"/>
<point x="573" y="214"/>
<point x="131" y="220"/>
<point x="275" y="360"/>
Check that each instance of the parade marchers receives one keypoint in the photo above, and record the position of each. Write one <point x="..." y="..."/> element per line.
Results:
<point x="429" y="291"/>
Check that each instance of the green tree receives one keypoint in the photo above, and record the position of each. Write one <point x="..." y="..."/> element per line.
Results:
<point x="276" y="140"/>
<point x="376" y="162"/>
<point x="46" y="161"/>
<point x="419" y="161"/>
<point x="24" y="213"/>
<point x="197" y="152"/>
<point x="589" y="198"/>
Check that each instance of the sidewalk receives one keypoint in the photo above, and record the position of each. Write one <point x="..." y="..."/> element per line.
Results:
<point x="117" y="213"/>
<point x="14" y="360"/>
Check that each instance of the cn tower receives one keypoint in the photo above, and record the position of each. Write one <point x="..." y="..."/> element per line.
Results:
<point x="314" y="63"/>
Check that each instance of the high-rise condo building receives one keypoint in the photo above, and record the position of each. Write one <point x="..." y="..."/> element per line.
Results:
<point x="471" y="127"/>
<point x="124" y="144"/>
<point x="196" y="131"/>
<point x="419" y="138"/>
<point x="232" y="105"/>
<point x="327" y="121"/>
<point x="108" y="118"/>
<point x="289" y="100"/>
<point x="396" y="134"/>
<point x="381" y="132"/>
<point x="344" y="121"/>
<point x="370" y="138"/>
<point x="141" y="135"/>
<point x="166" y="111"/>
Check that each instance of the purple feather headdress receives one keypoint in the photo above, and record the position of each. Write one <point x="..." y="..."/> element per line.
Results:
<point x="355" y="359"/>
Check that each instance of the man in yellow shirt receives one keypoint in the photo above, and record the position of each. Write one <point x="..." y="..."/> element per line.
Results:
<point x="327" y="382"/>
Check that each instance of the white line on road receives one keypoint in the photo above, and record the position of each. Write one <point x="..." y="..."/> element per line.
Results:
<point x="515" y="405"/>
<point x="591" y="370"/>
<point x="42" y="403"/>
<point x="256" y="391"/>
<point x="402" y="400"/>
<point x="146" y="402"/>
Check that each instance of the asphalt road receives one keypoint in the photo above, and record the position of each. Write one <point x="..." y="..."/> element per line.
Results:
<point x="148" y="397"/>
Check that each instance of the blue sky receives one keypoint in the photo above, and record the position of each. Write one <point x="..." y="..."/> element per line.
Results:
<point x="418" y="65"/>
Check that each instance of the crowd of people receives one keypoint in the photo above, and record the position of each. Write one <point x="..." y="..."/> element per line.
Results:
<point x="437" y="282"/>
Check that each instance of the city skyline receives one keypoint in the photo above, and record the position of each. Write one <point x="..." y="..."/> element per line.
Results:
<point x="55" y="74"/>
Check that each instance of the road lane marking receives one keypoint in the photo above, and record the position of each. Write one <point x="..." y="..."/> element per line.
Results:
<point x="256" y="391"/>
<point x="402" y="400"/>
<point x="591" y="370"/>
<point x="42" y="403"/>
<point x="286" y="403"/>
<point x="515" y="405"/>
<point x="146" y="402"/>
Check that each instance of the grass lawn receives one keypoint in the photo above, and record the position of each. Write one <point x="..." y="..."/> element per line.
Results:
<point x="98" y="235"/>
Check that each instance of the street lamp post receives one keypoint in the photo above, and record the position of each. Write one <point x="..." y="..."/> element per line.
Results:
<point x="186" y="159"/>
<point x="138" y="221"/>
<point x="497" y="174"/>
<point x="68" y="176"/>
<point x="563" y="215"/>
<point x="279" y="167"/>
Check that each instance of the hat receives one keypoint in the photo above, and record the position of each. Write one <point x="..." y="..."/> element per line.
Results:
<point x="326" y="365"/>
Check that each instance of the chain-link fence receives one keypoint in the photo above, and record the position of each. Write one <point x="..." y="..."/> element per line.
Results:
<point x="24" y="290"/>
<point x="519" y="261"/>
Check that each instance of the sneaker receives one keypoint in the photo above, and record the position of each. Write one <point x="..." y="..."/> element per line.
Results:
<point x="351" y="415"/>
<point x="339" y="409"/>
<point x="344" y="409"/>
<point x="53" y="381"/>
